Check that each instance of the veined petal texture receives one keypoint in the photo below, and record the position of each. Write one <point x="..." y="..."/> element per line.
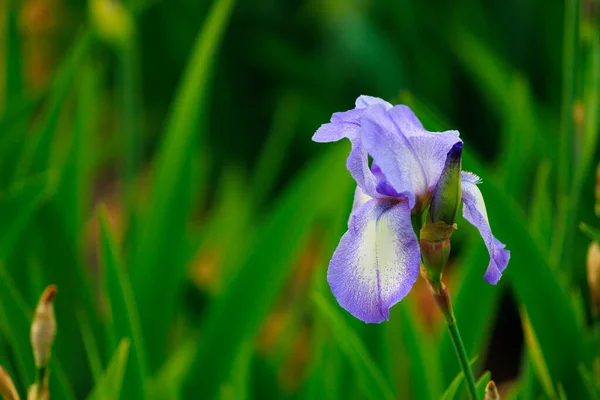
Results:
<point x="377" y="260"/>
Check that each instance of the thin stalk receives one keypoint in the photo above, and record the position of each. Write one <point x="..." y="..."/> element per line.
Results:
<point x="462" y="359"/>
<point x="442" y="297"/>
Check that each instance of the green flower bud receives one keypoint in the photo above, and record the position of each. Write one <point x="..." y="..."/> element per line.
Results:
<point x="435" y="249"/>
<point x="447" y="193"/>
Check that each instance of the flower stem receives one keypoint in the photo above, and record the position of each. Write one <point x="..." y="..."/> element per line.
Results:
<point x="442" y="297"/>
<point x="462" y="359"/>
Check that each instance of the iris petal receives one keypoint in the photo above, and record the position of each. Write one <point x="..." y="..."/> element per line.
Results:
<point x="393" y="153"/>
<point x="347" y="125"/>
<point x="360" y="198"/>
<point x="475" y="212"/>
<point x="364" y="101"/>
<point x="431" y="148"/>
<point x="406" y="120"/>
<point x="377" y="260"/>
<point x="332" y="132"/>
<point x="358" y="159"/>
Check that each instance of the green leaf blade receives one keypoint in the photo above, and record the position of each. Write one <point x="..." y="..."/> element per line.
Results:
<point x="124" y="312"/>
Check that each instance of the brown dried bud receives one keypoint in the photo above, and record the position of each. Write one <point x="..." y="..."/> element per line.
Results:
<point x="43" y="328"/>
<point x="491" y="391"/>
<point x="593" y="275"/>
<point x="7" y="387"/>
<point x="597" y="204"/>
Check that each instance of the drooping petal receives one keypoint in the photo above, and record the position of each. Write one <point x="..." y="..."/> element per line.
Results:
<point x="393" y="153"/>
<point x="431" y="148"/>
<point x="334" y="131"/>
<point x="377" y="260"/>
<point x="358" y="159"/>
<point x="475" y="212"/>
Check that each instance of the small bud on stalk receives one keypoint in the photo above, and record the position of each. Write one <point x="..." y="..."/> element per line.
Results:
<point x="491" y="391"/>
<point x="593" y="275"/>
<point x="43" y="328"/>
<point x="43" y="332"/>
<point x="39" y="391"/>
<point x="597" y="205"/>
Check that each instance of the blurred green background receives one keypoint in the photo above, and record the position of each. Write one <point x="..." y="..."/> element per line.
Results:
<point x="156" y="165"/>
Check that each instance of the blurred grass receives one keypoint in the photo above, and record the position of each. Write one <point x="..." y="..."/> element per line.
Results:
<point x="372" y="382"/>
<point x="124" y="315"/>
<point x="192" y="128"/>
<point x="159" y="238"/>
<point x="109" y="385"/>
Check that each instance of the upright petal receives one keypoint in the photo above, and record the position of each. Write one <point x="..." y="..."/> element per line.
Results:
<point x="377" y="260"/>
<point x="347" y="125"/>
<point x="474" y="211"/>
<point x="393" y="153"/>
<point x="406" y="121"/>
<point x="431" y="148"/>
<point x="366" y="101"/>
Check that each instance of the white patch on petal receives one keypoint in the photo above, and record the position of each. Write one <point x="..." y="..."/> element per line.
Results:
<point x="381" y="260"/>
<point x="360" y="198"/>
<point x="376" y="262"/>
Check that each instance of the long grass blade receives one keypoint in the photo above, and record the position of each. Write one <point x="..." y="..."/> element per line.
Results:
<point x="125" y="318"/>
<point x="111" y="382"/>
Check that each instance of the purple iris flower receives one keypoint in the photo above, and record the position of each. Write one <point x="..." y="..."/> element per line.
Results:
<point x="377" y="260"/>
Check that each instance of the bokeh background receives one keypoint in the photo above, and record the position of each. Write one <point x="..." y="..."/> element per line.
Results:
<point x="156" y="165"/>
